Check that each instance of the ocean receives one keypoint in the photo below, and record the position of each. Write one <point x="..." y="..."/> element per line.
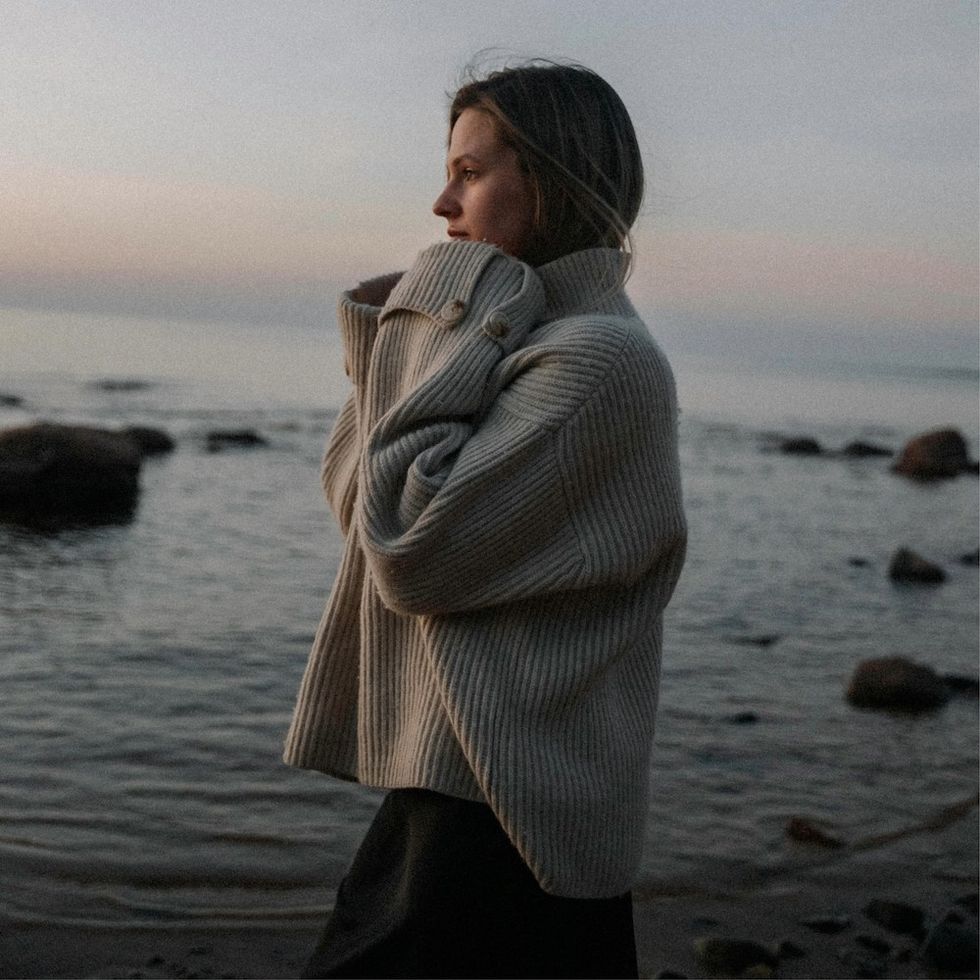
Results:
<point x="148" y="669"/>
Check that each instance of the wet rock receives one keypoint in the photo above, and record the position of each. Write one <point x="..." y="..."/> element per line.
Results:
<point x="895" y="916"/>
<point x="151" y="442"/>
<point x="233" y="438"/>
<point x="969" y="902"/>
<point x="807" y="832"/>
<point x="744" y="718"/>
<point x="704" y="922"/>
<point x="732" y="956"/>
<point x="828" y="925"/>
<point x="874" y="943"/>
<point x="907" y="566"/>
<point x="54" y="474"/>
<point x="934" y="455"/>
<point x="788" y="950"/>
<point x="863" y="966"/>
<point x="952" y="947"/>
<point x="121" y="384"/>
<point x="965" y="686"/>
<point x="802" y="446"/>
<point x="863" y="449"/>
<point x="758" y="640"/>
<point x="971" y="557"/>
<point x="896" y="684"/>
<point x="10" y="401"/>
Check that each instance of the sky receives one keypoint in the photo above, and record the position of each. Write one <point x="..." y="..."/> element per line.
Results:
<point x="812" y="167"/>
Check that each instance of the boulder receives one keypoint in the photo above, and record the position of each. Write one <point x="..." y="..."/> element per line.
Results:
<point x="239" y="438"/>
<point x="802" y="446"/>
<point x="151" y="442"/>
<point x="908" y="566"/>
<point x="896" y="684"/>
<point x="67" y="473"/>
<point x="933" y="455"/>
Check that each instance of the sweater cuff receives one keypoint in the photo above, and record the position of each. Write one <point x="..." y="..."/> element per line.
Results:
<point x="358" y="324"/>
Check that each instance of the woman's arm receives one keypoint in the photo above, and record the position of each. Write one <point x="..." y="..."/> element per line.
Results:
<point x="463" y="507"/>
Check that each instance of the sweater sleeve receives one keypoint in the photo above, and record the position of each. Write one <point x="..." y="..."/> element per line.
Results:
<point x="358" y="326"/>
<point x="465" y="505"/>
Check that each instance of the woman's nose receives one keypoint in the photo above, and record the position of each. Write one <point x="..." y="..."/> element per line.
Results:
<point x="445" y="205"/>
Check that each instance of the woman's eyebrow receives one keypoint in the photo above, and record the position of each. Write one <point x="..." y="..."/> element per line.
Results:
<point x="463" y="157"/>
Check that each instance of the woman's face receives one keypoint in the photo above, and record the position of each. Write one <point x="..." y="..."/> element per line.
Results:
<point x="486" y="197"/>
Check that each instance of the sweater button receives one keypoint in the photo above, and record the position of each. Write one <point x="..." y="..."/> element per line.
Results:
<point x="498" y="326"/>
<point x="452" y="312"/>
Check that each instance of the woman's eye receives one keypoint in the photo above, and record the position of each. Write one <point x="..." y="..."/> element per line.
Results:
<point x="469" y="174"/>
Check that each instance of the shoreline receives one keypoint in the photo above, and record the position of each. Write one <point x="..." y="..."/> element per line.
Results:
<point x="668" y="924"/>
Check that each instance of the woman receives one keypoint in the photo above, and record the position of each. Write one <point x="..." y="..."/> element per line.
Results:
<point x="505" y="474"/>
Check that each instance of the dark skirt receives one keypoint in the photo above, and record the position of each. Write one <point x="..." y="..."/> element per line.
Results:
<point x="437" y="890"/>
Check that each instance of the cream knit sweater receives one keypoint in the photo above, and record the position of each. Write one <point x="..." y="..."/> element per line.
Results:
<point x="505" y="474"/>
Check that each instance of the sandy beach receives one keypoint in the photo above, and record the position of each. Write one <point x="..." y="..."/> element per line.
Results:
<point x="835" y="888"/>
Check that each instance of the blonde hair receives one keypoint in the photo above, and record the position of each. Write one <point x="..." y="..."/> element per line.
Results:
<point x="576" y="143"/>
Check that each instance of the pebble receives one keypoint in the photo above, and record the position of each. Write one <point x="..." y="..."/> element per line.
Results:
<point x="874" y="943"/>
<point x="827" y="924"/>
<point x="863" y="967"/>
<point x="732" y="956"/>
<point x="788" y="950"/>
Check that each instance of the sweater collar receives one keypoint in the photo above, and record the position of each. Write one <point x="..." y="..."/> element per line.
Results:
<point x="585" y="282"/>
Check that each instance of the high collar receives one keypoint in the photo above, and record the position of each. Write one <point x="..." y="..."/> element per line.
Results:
<point x="589" y="281"/>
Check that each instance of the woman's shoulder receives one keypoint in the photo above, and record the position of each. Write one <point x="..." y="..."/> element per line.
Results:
<point x="580" y="359"/>
<point x="604" y="340"/>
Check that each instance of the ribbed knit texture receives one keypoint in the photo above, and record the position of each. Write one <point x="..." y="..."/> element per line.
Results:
<point x="506" y="475"/>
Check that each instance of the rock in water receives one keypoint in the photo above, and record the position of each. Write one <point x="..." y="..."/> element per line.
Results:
<point x="827" y="925"/>
<point x="861" y="449"/>
<point x="907" y="566"/>
<point x="238" y="438"/>
<point x="67" y="473"/>
<point x="961" y="684"/>
<point x="934" y="455"/>
<point x="897" y="684"/>
<point x="151" y="442"/>
<point x="801" y="446"/>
